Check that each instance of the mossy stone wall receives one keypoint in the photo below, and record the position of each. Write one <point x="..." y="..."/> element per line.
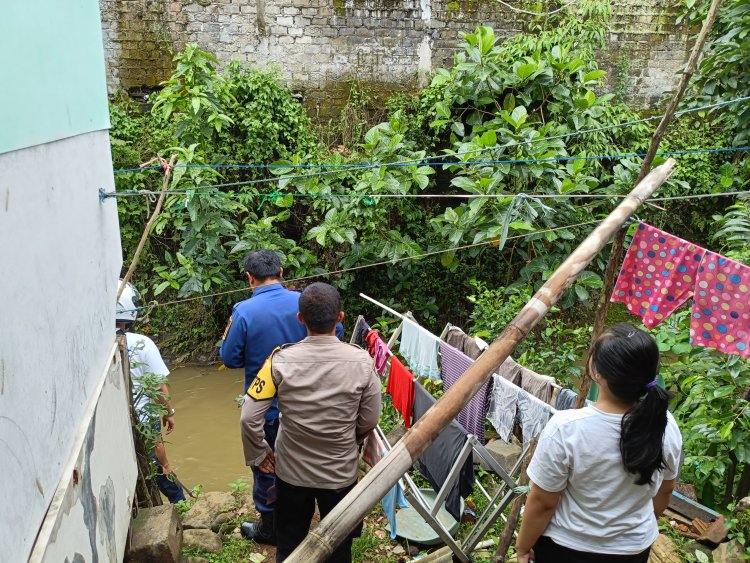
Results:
<point x="320" y="44"/>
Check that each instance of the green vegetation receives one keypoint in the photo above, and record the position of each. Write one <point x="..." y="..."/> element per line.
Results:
<point x="524" y="98"/>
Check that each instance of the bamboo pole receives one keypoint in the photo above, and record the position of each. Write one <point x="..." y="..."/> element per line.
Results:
<point x="167" y="166"/>
<point x="618" y="248"/>
<point x="320" y="543"/>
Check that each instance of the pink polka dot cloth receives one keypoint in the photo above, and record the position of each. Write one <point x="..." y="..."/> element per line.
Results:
<point x="721" y="309"/>
<point x="657" y="275"/>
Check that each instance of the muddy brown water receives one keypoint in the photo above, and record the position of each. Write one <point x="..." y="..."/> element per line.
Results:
<point x="205" y="447"/>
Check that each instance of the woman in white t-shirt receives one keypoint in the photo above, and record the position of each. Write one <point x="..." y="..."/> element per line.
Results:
<point x="601" y="474"/>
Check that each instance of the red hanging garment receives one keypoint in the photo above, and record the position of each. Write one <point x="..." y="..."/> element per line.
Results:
<point x="401" y="389"/>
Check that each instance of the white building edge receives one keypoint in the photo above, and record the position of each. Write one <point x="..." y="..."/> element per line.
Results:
<point x="66" y="453"/>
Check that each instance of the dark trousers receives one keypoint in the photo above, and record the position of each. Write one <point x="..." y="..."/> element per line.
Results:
<point x="547" y="551"/>
<point x="295" y="507"/>
<point x="262" y="482"/>
<point x="169" y="488"/>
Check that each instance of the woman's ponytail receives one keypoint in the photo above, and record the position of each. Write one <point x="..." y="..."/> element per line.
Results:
<point x="642" y="435"/>
<point x="628" y="359"/>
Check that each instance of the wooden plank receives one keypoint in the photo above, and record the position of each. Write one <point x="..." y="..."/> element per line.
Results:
<point x="690" y="508"/>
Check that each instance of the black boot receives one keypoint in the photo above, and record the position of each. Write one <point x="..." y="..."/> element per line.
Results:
<point x="260" y="532"/>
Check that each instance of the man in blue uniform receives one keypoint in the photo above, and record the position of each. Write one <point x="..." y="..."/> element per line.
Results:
<point x="258" y="325"/>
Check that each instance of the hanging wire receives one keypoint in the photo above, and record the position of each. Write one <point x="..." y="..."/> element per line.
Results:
<point x="154" y="305"/>
<point x="207" y="189"/>
<point x="355" y="166"/>
<point x="542" y="14"/>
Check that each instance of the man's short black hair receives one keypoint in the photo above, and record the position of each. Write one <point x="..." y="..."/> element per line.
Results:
<point x="320" y="305"/>
<point x="263" y="264"/>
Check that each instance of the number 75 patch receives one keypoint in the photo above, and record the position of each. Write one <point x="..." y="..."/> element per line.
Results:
<point x="263" y="386"/>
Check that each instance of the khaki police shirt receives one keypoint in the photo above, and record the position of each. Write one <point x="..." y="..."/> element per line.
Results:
<point x="329" y="400"/>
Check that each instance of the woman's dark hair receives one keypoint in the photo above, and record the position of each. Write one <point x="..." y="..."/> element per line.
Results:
<point x="628" y="359"/>
<point x="320" y="305"/>
<point x="263" y="264"/>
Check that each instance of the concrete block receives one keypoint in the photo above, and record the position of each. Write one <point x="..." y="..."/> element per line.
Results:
<point x="207" y="508"/>
<point x="156" y="536"/>
<point x="729" y="552"/>
<point x="505" y="454"/>
<point x="205" y="540"/>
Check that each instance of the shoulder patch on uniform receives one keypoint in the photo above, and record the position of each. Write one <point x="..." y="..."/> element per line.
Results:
<point x="226" y="330"/>
<point x="263" y="387"/>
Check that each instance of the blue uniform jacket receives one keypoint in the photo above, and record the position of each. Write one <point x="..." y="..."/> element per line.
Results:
<point x="259" y="324"/>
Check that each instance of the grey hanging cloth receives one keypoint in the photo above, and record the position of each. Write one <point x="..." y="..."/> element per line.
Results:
<point x="360" y="331"/>
<point x="566" y="399"/>
<point x="463" y="342"/>
<point x="436" y="462"/>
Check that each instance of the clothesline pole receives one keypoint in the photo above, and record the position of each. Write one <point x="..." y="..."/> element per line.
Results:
<point x="405" y="318"/>
<point x="320" y="543"/>
<point x="618" y="248"/>
<point x="506" y="538"/>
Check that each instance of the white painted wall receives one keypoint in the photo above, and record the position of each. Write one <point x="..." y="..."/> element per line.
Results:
<point x="91" y="510"/>
<point x="59" y="262"/>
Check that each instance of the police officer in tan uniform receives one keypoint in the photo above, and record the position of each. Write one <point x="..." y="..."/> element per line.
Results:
<point x="329" y="400"/>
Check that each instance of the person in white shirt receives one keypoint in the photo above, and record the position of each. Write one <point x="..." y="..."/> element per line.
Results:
<point x="602" y="474"/>
<point x="145" y="360"/>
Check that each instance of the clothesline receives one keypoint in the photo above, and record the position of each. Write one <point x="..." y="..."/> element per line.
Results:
<point x="405" y="318"/>
<point x="447" y="155"/>
<point x="430" y="334"/>
<point x="103" y="195"/>
<point x="395" y="313"/>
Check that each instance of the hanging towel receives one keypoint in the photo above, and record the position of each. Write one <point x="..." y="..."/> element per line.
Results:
<point x="378" y="350"/>
<point x="540" y="386"/>
<point x="657" y="275"/>
<point x="463" y="342"/>
<point x="453" y="364"/>
<point x="392" y="500"/>
<point x="419" y="347"/>
<point x="401" y="389"/>
<point x="566" y="399"/>
<point x="361" y="329"/>
<point x="436" y="462"/>
<point x="502" y="408"/>
<point x="721" y="310"/>
<point x="374" y="451"/>
<point x="533" y="416"/>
